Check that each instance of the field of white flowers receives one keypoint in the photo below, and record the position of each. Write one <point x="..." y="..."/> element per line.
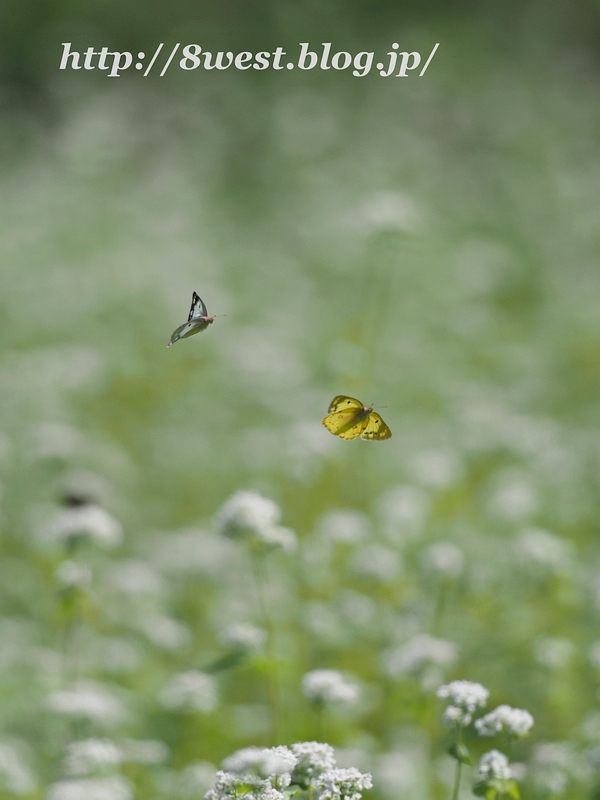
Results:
<point x="203" y="590"/>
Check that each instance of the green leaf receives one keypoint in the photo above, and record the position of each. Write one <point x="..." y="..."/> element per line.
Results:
<point x="460" y="753"/>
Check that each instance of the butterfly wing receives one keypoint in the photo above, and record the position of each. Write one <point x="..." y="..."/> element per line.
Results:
<point x="198" y="308"/>
<point x="346" y="417"/>
<point x="375" y="428"/>
<point x="342" y="402"/>
<point x="187" y="329"/>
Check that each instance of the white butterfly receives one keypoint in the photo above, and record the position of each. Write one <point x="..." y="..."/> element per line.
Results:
<point x="197" y="321"/>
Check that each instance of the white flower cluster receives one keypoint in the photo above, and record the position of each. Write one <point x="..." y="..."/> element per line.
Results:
<point x="247" y="515"/>
<point x="230" y="786"/>
<point x="514" y="722"/>
<point x="190" y="691"/>
<point x="343" y="784"/>
<point x="313" y="758"/>
<point x="465" y="697"/>
<point x="262" y="774"/>
<point x="329" y="686"/>
<point x="493" y="765"/>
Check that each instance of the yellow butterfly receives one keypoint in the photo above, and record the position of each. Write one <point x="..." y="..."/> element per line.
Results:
<point x="348" y="419"/>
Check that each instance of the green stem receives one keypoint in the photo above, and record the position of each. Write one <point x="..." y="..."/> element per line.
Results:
<point x="457" y="780"/>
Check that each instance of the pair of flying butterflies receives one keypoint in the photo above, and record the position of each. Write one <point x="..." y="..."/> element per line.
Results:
<point x="346" y="417"/>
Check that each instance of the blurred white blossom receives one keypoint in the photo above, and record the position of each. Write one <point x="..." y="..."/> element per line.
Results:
<point x="345" y="526"/>
<point x="87" y="700"/>
<point x="418" y="652"/>
<point x="16" y="777"/>
<point x="555" y="766"/>
<point x="403" y="511"/>
<point x="247" y="515"/>
<point x="443" y="559"/>
<point x="73" y="574"/>
<point x="544" y="550"/>
<point x="191" y="691"/>
<point x="243" y="637"/>
<point x="552" y="652"/>
<point x="377" y="562"/>
<point x="144" y="751"/>
<point x="114" y="788"/>
<point x="329" y="686"/>
<point x="436" y="468"/>
<point x="89" y="521"/>
<point x="134" y="578"/>
<point x="87" y="756"/>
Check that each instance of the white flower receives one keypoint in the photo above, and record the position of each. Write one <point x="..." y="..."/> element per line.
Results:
<point x="418" y="652"/>
<point x="90" y="755"/>
<point x="244" y="637"/>
<point x="467" y="695"/>
<point x="115" y="788"/>
<point x="343" y="784"/>
<point x="329" y="686"/>
<point x="505" y="719"/>
<point x="313" y="759"/>
<point x="72" y="574"/>
<point x="493" y="766"/>
<point x="190" y="691"/>
<point x="454" y="716"/>
<point x="86" y="521"/>
<point x="87" y="700"/>
<point x="443" y="558"/>
<point x="247" y="515"/>
<point x="229" y="787"/>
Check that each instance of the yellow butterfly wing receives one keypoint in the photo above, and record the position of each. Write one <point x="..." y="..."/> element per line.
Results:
<point x="342" y="402"/>
<point x="375" y="428"/>
<point x="346" y="417"/>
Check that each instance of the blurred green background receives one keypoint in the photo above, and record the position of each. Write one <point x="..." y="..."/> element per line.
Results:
<point x="429" y="245"/>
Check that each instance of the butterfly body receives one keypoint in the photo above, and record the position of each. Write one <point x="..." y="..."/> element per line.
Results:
<point x="348" y="418"/>
<point x="197" y="321"/>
